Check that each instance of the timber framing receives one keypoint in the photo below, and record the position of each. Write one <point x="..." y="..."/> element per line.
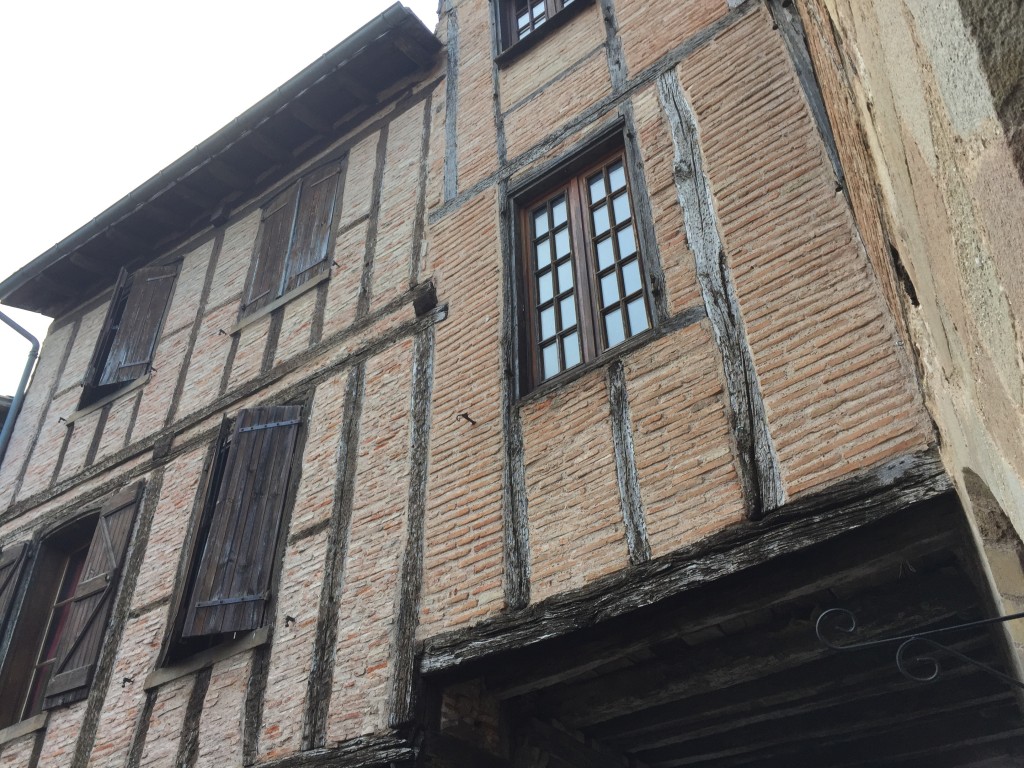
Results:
<point x="858" y="500"/>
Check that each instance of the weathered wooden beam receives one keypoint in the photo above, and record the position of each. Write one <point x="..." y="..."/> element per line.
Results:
<point x="861" y="499"/>
<point x="571" y="748"/>
<point x="227" y="174"/>
<point x="953" y="707"/>
<point x="87" y="264"/>
<point x="760" y="472"/>
<point x="847" y="560"/>
<point x="773" y="698"/>
<point x="269" y="149"/>
<point x="831" y="719"/>
<point x="751" y="655"/>
<point x="417" y="54"/>
<point x="309" y="118"/>
<point x="156" y="212"/>
<point x="127" y="241"/>
<point x="356" y="89"/>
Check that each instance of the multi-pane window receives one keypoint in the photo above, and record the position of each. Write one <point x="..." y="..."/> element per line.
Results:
<point x="522" y="18"/>
<point x="58" y="623"/>
<point x="585" y="285"/>
<point x="131" y="330"/>
<point x="295" y="229"/>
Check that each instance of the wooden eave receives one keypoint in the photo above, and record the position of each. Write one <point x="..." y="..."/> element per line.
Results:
<point x="282" y="130"/>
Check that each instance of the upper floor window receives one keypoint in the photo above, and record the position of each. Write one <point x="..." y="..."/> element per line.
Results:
<point x="232" y="559"/>
<point x="57" y="627"/>
<point x="130" y="332"/>
<point x="291" y="248"/>
<point x="521" y="19"/>
<point x="585" y="287"/>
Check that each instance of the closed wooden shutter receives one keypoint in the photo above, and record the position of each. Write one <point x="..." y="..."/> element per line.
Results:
<point x="308" y="256"/>
<point x="272" y="243"/>
<point x="82" y="638"/>
<point x="12" y="564"/>
<point x="231" y="587"/>
<point x="103" y="344"/>
<point x="137" y="330"/>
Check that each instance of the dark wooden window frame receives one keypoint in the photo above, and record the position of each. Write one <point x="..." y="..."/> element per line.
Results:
<point x="571" y="182"/>
<point x="75" y="572"/>
<point x="187" y="647"/>
<point x="511" y="44"/>
<point x="127" y="343"/>
<point x="283" y="264"/>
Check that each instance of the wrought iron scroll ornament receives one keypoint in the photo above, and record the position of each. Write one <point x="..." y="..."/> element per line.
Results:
<point x="915" y="653"/>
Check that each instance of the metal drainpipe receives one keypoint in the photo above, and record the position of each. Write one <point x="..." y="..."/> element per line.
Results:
<point x="19" y="396"/>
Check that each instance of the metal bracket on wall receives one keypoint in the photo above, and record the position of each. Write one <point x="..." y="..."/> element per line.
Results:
<point x="915" y="652"/>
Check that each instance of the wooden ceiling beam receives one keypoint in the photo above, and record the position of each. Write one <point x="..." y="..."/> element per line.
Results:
<point x="228" y="175"/>
<point x="309" y="118"/>
<point x="849" y="560"/>
<point x="752" y="654"/>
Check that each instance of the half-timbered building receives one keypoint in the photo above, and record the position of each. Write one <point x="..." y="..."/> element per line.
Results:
<point x="546" y="390"/>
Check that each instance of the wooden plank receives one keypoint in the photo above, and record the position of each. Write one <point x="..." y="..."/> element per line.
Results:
<point x="138" y="327"/>
<point x="634" y="521"/>
<point x="82" y="637"/>
<point x="748" y="656"/>
<point x="308" y="255"/>
<point x="232" y="579"/>
<point x="271" y="252"/>
<point x="12" y="565"/>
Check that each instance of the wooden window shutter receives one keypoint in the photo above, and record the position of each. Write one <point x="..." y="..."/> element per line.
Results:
<point x="101" y="352"/>
<point x="12" y="565"/>
<point x="272" y="243"/>
<point x="231" y="587"/>
<point x="137" y="331"/>
<point x="308" y="256"/>
<point x="82" y="637"/>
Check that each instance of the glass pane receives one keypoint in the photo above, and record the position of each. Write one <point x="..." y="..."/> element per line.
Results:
<point x="543" y="253"/>
<point x="538" y="10"/>
<point x="524" y="25"/>
<point x="617" y="177"/>
<point x="545" y="289"/>
<point x="605" y="254"/>
<point x="558" y="212"/>
<point x="613" y="328"/>
<point x="600" y="220"/>
<point x="621" y="206"/>
<point x="568" y="307"/>
<point x="597" y="192"/>
<point x="631" y="277"/>
<point x="547" y="323"/>
<point x="609" y="289"/>
<point x="540" y="222"/>
<point x="637" y="316"/>
<point x="550" y="360"/>
<point x="571" y="350"/>
<point x="564" y="277"/>
<point x="562" y="243"/>
<point x="627" y="242"/>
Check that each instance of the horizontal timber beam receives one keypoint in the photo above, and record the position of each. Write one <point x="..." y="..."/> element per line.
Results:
<point x="861" y="499"/>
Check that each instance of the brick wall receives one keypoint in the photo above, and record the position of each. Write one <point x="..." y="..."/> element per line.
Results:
<point x="545" y="472"/>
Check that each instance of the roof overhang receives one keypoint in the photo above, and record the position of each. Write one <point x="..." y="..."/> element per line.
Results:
<point x="286" y="127"/>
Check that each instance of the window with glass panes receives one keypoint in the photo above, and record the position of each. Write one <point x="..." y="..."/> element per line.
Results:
<point x="585" y="283"/>
<point x="527" y="16"/>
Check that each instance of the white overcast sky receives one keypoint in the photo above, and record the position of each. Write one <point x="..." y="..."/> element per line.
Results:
<point x="100" y="95"/>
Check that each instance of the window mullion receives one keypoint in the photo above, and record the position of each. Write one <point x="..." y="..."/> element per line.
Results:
<point x="581" y="261"/>
<point x="286" y="260"/>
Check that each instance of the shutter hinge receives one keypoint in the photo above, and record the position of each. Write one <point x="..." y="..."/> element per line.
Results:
<point x="232" y="600"/>
<point x="271" y="425"/>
